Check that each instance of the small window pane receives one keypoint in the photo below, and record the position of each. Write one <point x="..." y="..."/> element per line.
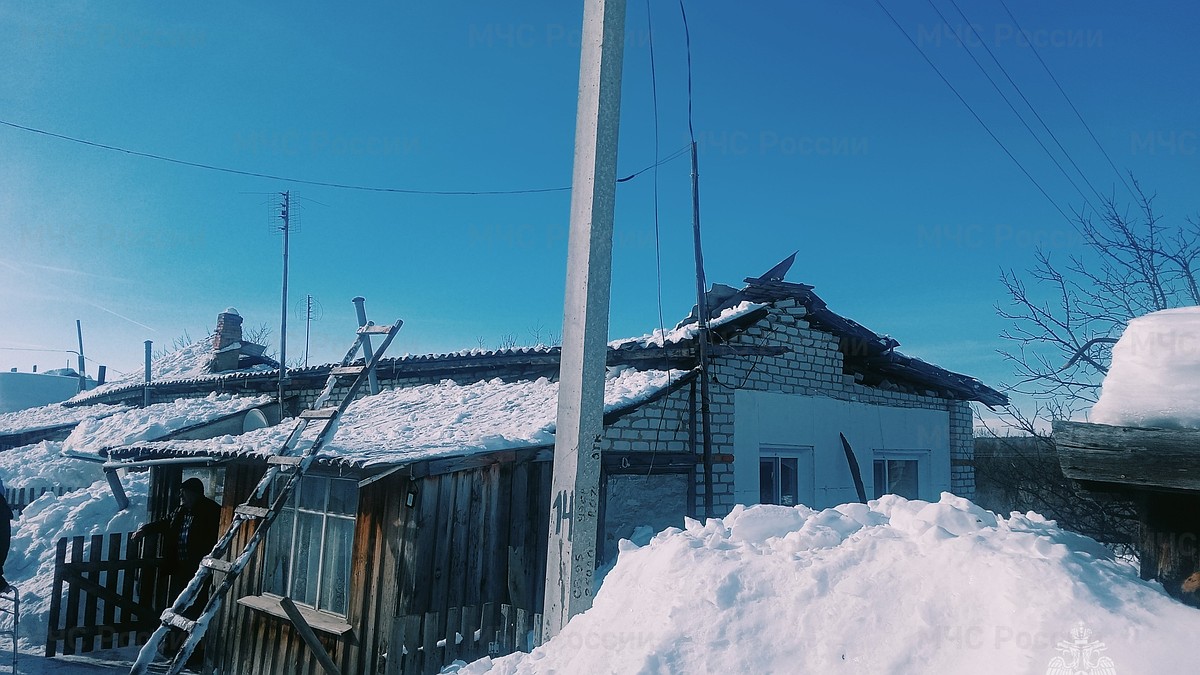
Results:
<point x="279" y="552"/>
<point x="305" y="565"/>
<point x="312" y="493"/>
<point x="788" y="481"/>
<point x="881" y="481"/>
<point x="343" y="497"/>
<point x="766" y="481"/>
<point x="339" y="540"/>
<point x="902" y="478"/>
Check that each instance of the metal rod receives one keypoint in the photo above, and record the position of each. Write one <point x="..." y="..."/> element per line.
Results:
<point x="285" y="216"/>
<point x="146" y="390"/>
<point x="702" y="338"/>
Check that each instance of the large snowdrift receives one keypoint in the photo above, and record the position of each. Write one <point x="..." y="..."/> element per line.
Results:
<point x="894" y="586"/>
<point x="1154" y="378"/>
<point x="30" y="564"/>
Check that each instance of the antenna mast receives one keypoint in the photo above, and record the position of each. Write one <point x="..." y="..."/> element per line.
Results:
<point x="285" y="227"/>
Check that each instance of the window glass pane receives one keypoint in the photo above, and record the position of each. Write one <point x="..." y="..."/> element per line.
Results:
<point x="343" y="497"/>
<point x="902" y="478"/>
<point x="312" y="493"/>
<point x="305" y="562"/>
<point x="788" y="481"/>
<point x="881" y="482"/>
<point x="279" y="545"/>
<point x="766" y="481"/>
<point x="335" y="570"/>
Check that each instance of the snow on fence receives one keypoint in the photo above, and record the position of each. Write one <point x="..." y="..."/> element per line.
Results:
<point x="108" y="592"/>
<point x="428" y="642"/>
<point x="19" y="498"/>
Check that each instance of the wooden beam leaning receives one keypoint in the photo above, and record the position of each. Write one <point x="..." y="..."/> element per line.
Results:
<point x="309" y="636"/>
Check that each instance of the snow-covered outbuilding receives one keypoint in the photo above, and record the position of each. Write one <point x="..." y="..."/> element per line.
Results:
<point x="1143" y="444"/>
<point x="434" y="495"/>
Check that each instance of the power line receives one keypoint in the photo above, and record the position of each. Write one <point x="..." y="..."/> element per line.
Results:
<point x="1027" y="102"/>
<point x="657" y="239"/>
<point x="687" y="40"/>
<point x="301" y="181"/>
<point x="1069" y="102"/>
<point x="1014" y="108"/>
<point x="973" y="113"/>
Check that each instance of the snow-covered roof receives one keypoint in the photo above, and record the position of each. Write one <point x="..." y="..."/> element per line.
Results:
<point x="1154" y="377"/>
<point x="687" y="330"/>
<point x="401" y="426"/>
<point x="188" y="364"/>
<point x="52" y="416"/>
<point x="156" y="421"/>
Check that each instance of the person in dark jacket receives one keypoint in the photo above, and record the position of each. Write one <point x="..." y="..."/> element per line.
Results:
<point x="6" y="516"/>
<point x="189" y="534"/>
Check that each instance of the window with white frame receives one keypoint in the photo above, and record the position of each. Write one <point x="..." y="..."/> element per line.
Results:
<point x="309" y="547"/>
<point x="898" y="474"/>
<point x="785" y="475"/>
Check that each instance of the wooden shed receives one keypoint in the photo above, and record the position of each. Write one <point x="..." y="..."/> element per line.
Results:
<point x="1159" y="470"/>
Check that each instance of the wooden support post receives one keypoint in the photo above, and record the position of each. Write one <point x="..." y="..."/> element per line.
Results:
<point x="118" y="490"/>
<point x="309" y="637"/>
<point x="571" y="550"/>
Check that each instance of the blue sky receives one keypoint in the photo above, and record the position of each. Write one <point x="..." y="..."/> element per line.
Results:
<point x="820" y="128"/>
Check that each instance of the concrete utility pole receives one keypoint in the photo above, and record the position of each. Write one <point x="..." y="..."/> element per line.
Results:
<point x="575" y="500"/>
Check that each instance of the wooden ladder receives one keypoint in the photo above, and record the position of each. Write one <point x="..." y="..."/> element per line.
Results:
<point x="288" y="461"/>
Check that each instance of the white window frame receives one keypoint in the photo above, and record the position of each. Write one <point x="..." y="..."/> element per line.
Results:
<point x="278" y="536"/>
<point x="921" y="457"/>
<point x="805" y="474"/>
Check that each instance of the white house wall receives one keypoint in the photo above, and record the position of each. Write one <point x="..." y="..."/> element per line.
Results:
<point x="873" y="430"/>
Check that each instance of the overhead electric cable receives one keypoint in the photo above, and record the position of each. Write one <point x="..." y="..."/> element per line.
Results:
<point x="1027" y="102"/>
<point x="973" y="113"/>
<point x="1069" y="102"/>
<point x="340" y="186"/>
<point x="1013" y="108"/>
<point x="657" y="239"/>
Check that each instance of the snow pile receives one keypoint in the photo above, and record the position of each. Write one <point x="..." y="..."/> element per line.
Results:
<point x="686" y="331"/>
<point x="42" y="466"/>
<point x="894" y="586"/>
<point x="30" y="564"/>
<point x="53" y="415"/>
<point x="156" y="421"/>
<point x="1154" y="379"/>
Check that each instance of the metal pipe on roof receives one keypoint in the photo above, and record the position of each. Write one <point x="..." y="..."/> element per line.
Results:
<point x="142" y="463"/>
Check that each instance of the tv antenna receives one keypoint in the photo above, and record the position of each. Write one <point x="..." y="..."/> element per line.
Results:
<point x="313" y="310"/>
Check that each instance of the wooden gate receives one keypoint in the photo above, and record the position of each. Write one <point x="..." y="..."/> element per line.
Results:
<point x="108" y="592"/>
<point x="422" y="644"/>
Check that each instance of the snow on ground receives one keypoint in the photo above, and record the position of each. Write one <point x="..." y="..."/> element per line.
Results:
<point x="42" y="465"/>
<point x="894" y="586"/>
<point x="53" y="415"/>
<point x="1154" y="378"/>
<point x="156" y="421"/>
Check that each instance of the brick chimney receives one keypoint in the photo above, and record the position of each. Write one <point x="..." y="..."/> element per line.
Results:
<point x="226" y="341"/>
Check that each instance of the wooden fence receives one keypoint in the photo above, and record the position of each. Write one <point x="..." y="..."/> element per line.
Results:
<point x="108" y="592"/>
<point x="423" y="644"/>
<point x="19" y="498"/>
